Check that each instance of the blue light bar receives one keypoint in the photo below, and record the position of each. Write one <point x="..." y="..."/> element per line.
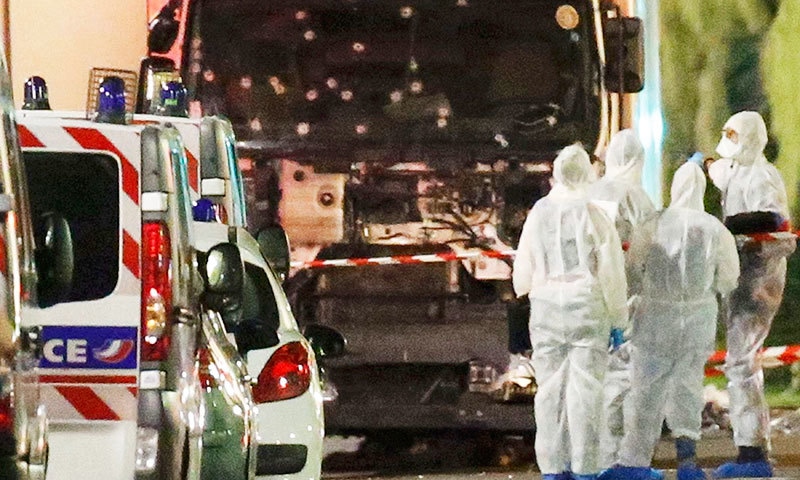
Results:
<point x="173" y="100"/>
<point x="36" y="97"/>
<point x="111" y="101"/>
<point x="204" y="211"/>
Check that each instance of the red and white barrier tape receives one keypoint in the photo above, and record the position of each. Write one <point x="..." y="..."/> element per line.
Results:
<point x="405" y="259"/>
<point x="766" y="237"/>
<point x="770" y="357"/>
<point x="505" y="254"/>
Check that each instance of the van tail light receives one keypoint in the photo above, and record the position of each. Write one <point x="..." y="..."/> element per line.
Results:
<point x="286" y="375"/>
<point x="156" y="291"/>
<point x="7" y="439"/>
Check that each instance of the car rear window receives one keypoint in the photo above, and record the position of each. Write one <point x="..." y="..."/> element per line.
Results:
<point x="84" y="187"/>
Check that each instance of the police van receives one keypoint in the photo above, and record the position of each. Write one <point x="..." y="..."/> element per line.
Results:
<point x="23" y="420"/>
<point x="119" y="371"/>
<point x="230" y="430"/>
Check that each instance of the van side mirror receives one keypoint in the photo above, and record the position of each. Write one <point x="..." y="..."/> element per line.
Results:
<point x="624" y="42"/>
<point x="274" y="246"/>
<point x="223" y="274"/>
<point x="325" y="341"/>
<point x="55" y="261"/>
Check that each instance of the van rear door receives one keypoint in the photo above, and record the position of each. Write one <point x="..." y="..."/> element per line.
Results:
<point x="89" y="366"/>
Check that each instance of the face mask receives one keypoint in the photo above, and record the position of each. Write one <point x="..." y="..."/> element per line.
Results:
<point x="728" y="149"/>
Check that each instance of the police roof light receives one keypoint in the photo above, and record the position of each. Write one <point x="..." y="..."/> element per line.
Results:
<point x="204" y="211"/>
<point x="36" y="97"/>
<point x="111" y="101"/>
<point x="173" y="100"/>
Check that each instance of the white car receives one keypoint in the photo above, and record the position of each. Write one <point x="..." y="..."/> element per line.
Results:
<point x="287" y="389"/>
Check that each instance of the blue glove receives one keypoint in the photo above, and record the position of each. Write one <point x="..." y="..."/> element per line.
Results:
<point x="698" y="158"/>
<point x="616" y="339"/>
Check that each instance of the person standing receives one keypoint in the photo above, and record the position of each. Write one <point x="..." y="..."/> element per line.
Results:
<point x="753" y="200"/>
<point x="681" y="259"/>
<point x="570" y="264"/>
<point x="619" y="192"/>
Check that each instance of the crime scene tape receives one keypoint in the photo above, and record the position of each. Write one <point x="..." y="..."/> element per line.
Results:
<point x="405" y="259"/>
<point x="504" y="254"/>
<point x="770" y="357"/>
<point x="766" y="237"/>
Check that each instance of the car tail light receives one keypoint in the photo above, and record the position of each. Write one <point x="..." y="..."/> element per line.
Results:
<point x="286" y="375"/>
<point x="156" y="291"/>
<point x="7" y="438"/>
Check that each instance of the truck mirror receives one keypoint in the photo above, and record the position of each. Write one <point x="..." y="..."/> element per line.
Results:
<point x="274" y="246"/>
<point x="624" y="42"/>
<point x="163" y="29"/>
<point x="54" y="259"/>
<point x="325" y="341"/>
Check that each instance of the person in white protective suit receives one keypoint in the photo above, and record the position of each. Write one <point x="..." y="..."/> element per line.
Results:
<point x="570" y="264"/>
<point x="752" y="191"/>
<point x="621" y="195"/>
<point x="682" y="259"/>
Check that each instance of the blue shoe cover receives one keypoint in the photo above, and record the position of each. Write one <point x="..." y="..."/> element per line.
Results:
<point x="690" y="471"/>
<point x="575" y="476"/>
<point x="556" y="476"/>
<point x="744" y="470"/>
<point x="630" y="473"/>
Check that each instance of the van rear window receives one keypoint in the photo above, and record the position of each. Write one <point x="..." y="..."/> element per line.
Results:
<point x="84" y="187"/>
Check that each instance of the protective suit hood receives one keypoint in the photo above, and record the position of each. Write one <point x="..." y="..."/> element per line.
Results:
<point x="688" y="187"/>
<point x="625" y="158"/>
<point x="752" y="138"/>
<point x="572" y="172"/>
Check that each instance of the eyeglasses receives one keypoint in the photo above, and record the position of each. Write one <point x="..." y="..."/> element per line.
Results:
<point x="731" y="135"/>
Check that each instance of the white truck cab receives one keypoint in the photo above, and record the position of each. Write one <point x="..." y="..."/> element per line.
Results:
<point x="118" y="367"/>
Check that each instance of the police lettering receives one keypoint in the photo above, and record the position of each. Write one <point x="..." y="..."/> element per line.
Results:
<point x="55" y="350"/>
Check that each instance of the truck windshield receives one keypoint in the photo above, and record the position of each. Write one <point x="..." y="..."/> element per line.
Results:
<point x="508" y="75"/>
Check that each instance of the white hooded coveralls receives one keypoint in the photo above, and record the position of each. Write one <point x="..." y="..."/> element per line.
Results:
<point x="570" y="264"/>
<point x="619" y="192"/>
<point x="682" y="259"/>
<point x="749" y="183"/>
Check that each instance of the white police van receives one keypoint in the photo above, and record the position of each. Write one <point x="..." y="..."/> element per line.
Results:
<point x="23" y="420"/>
<point x="230" y="430"/>
<point x="119" y="370"/>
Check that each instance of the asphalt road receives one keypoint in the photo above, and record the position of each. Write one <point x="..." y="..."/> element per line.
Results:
<point x="462" y="456"/>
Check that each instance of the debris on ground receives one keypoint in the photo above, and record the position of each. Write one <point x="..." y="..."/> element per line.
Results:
<point x="788" y="423"/>
<point x="716" y="410"/>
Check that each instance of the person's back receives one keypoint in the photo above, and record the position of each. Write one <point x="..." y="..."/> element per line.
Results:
<point x="677" y="253"/>
<point x="566" y="256"/>
<point x="680" y="264"/>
